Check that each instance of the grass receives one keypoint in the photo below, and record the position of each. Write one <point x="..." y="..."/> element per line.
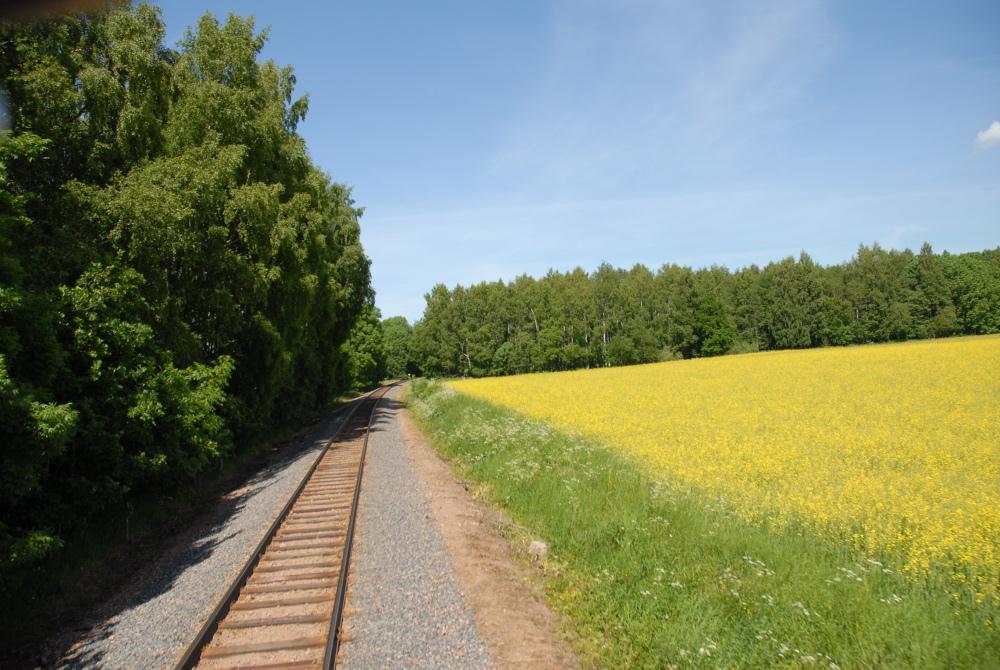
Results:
<point x="652" y="574"/>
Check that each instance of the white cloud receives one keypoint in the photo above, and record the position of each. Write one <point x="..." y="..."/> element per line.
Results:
<point x="638" y="94"/>
<point x="989" y="137"/>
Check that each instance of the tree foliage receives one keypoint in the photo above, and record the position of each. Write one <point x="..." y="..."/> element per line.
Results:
<point x="618" y="317"/>
<point x="175" y="273"/>
<point x="364" y="350"/>
<point x="397" y="335"/>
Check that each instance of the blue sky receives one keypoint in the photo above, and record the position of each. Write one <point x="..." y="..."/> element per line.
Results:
<point x="491" y="139"/>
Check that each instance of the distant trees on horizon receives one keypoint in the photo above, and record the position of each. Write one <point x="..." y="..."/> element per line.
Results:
<point x="613" y="316"/>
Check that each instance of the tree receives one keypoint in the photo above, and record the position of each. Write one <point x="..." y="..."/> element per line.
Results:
<point x="933" y="308"/>
<point x="618" y="317"/>
<point x="974" y="279"/>
<point x="397" y="336"/>
<point x="436" y="335"/>
<point x="790" y="295"/>
<point x="365" y="350"/>
<point x="714" y="328"/>
<point x="681" y="304"/>
<point x="878" y="291"/>
<point x="175" y="274"/>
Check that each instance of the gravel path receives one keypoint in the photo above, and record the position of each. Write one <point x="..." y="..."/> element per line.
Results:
<point x="405" y="607"/>
<point x="153" y="619"/>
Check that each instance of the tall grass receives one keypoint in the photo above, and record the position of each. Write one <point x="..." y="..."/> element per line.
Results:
<point x="655" y="575"/>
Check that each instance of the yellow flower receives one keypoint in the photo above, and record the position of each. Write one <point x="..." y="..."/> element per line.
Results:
<point x="895" y="448"/>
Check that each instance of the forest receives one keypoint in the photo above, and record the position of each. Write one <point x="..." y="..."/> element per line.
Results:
<point x="614" y="316"/>
<point x="176" y="275"/>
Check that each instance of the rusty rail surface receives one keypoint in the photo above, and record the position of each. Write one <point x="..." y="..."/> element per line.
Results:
<point x="284" y="609"/>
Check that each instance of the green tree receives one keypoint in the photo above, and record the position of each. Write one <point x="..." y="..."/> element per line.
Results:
<point x="791" y="295"/>
<point x="878" y="291"/>
<point x="365" y="350"/>
<point x="933" y="308"/>
<point x="975" y="280"/>
<point x="397" y="336"/>
<point x="714" y="328"/>
<point x="681" y="304"/>
<point x="175" y="273"/>
<point x="616" y="317"/>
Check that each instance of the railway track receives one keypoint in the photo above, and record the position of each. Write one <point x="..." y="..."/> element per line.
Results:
<point x="284" y="609"/>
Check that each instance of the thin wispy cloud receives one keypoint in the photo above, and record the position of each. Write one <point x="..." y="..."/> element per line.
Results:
<point x="761" y="66"/>
<point x="989" y="137"/>
<point x="638" y="94"/>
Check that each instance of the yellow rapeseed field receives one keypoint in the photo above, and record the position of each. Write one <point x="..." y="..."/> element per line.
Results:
<point x="896" y="447"/>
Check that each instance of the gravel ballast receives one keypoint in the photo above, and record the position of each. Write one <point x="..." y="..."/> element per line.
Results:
<point x="151" y="621"/>
<point x="406" y="609"/>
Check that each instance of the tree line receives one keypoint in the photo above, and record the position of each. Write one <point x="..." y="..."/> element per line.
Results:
<point x="615" y="316"/>
<point x="175" y="273"/>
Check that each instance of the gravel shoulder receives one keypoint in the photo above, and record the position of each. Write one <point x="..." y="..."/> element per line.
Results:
<point x="433" y="581"/>
<point x="149" y="622"/>
<point x="405" y="609"/>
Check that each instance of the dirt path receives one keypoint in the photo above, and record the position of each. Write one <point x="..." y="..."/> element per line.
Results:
<point x="503" y="594"/>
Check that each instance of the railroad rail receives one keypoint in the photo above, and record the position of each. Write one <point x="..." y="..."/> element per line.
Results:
<point x="284" y="609"/>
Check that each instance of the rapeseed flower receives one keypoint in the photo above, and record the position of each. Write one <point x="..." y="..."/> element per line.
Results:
<point x="892" y="448"/>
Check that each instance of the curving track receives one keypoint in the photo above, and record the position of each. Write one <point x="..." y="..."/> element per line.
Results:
<point x="284" y="610"/>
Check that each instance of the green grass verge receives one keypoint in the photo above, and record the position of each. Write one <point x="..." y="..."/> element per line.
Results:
<point x="653" y="575"/>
